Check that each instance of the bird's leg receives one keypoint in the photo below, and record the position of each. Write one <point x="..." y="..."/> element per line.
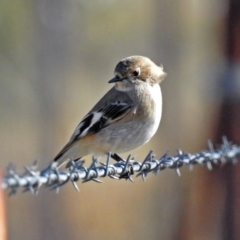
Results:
<point x="117" y="158"/>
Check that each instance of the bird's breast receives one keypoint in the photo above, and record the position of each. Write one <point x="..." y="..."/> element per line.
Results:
<point x="148" y="112"/>
<point x="149" y="102"/>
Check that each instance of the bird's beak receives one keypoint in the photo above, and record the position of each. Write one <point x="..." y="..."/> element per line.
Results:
<point x="115" y="79"/>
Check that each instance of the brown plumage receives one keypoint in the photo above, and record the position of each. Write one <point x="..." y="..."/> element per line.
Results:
<point x="126" y="117"/>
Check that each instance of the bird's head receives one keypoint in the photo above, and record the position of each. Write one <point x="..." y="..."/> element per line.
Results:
<point x="135" y="70"/>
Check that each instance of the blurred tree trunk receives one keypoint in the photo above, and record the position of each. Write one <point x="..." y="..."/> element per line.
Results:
<point x="213" y="209"/>
<point x="229" y="120"/>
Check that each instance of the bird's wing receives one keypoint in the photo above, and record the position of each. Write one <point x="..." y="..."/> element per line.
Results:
<point x="110" y="109"/>
<point x="101" y="118"/>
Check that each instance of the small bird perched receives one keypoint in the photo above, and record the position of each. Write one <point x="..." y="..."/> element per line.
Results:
<point x="125" y="118"/>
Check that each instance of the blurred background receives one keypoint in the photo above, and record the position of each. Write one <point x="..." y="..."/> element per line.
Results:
<point x="56" y="57"/>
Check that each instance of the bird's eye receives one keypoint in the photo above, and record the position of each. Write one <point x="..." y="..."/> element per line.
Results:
<point x="136" y="72"/>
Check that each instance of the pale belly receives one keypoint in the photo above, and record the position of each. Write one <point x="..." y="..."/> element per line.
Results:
<point x="124" y="137"/>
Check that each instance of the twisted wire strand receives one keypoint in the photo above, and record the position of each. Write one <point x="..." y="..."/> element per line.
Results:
<point x="53" y="178"/>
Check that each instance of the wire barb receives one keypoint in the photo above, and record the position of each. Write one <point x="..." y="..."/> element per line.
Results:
<point x="53" y="178"/>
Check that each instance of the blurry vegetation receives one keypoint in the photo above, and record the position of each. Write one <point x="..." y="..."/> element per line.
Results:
<point x="56" y="57"/>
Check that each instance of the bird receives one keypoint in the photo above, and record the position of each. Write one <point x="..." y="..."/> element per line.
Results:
<point x="125" y="118"/>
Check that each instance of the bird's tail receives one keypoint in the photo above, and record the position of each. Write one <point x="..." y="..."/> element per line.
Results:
<point x="62" y="156"/>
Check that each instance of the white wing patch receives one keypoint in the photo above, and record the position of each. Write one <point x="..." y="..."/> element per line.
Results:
<point x="83" y="127"/>
<point x="96" y="120"/>
<point x="96" y="117"/>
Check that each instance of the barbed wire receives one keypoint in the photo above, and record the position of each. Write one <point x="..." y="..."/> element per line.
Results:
<point x="53" y="178"/>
